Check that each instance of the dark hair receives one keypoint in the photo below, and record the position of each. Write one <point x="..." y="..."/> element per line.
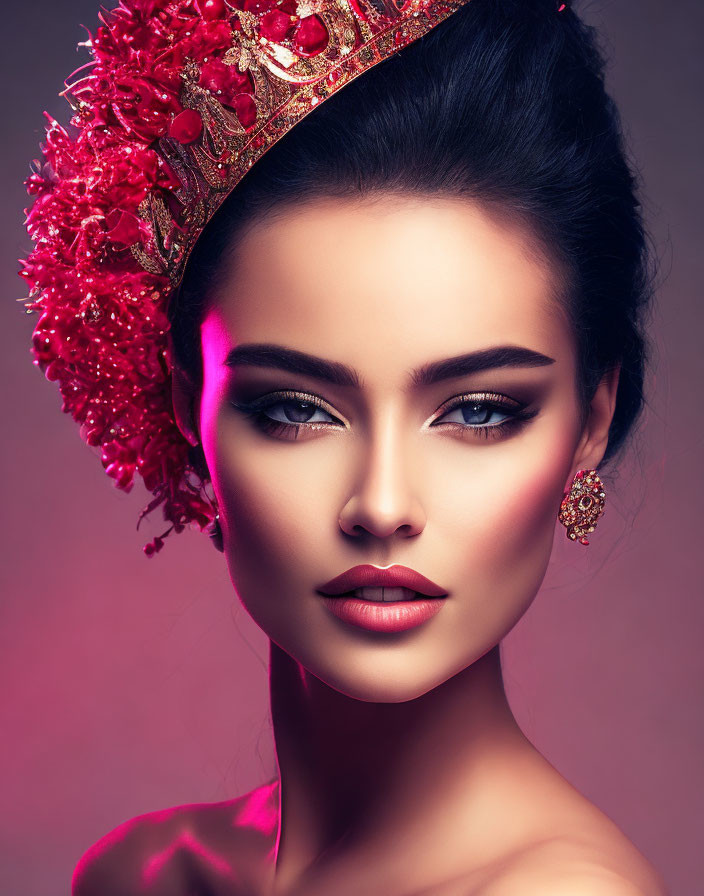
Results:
<point x="503" y="102"/>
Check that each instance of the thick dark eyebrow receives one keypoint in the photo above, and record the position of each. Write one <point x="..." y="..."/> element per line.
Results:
<point x="267" y="355"/>
<point x="474" y="362"/>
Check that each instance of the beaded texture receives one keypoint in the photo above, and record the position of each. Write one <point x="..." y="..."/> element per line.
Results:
<point x="179" y="100"/>
<point x="582" y="505"/>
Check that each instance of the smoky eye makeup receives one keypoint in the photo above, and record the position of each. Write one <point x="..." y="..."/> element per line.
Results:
<point x="484" y="414"/>
<point x="285" y="413"/>
<point x="289" y="414"/>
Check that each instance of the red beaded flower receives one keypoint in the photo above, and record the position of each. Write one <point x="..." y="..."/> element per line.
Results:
<point x="180" y="98"/>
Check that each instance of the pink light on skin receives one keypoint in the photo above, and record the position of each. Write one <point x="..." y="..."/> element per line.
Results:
<point x="260" y="811"/>
<point x="215" y="344"/>
<point x="121" y="833"/>
<point x="185" y="841"/>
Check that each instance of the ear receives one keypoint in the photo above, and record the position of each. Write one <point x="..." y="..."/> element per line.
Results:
<point x="183" y="395"/>
<point x="595" y="435"/>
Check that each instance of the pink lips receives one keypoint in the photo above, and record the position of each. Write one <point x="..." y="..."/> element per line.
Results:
<point x="397" y="616"/>
<point x="367" y="576"/>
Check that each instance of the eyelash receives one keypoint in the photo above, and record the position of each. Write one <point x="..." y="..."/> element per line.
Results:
<point x="491" y="401"/>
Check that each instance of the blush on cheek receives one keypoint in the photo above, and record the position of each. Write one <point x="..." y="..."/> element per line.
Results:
<point x="523" y="520"/>
<point x="512" y="554"/>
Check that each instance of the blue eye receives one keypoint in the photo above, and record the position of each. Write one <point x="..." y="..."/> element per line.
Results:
<point x="285" y="415"/>
<point x="477" y="413"/>
<point x="487" y="415"/>
<point x="295" y="411"/>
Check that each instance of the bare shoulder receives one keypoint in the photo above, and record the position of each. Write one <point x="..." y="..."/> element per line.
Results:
<point x="167" y="853"/>
<point x="580" y="850"/>
<point x="571" y="867"/>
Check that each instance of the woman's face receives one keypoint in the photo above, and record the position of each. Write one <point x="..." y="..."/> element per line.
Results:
<point x="458" y="475"/>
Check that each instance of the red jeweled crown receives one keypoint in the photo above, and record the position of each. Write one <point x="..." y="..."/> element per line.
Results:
<point x="180" y="99"/>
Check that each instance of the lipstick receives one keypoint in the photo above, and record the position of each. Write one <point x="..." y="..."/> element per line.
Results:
<point x="383" y="599"/>
<point x="366" y="576"/>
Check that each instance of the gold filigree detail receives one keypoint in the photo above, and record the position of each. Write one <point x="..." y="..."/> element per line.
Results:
<point x="153" y="210"/>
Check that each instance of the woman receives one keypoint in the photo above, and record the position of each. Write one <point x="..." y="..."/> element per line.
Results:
<point x="402" y="346"/>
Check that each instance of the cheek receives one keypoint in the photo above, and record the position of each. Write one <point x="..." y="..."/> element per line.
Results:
<point x="274" y="514"/>
<point x="518" y="540"/>
<point x="526" y="507"/>
<point x="503" y="498"/>
<point x="501" y="520"/>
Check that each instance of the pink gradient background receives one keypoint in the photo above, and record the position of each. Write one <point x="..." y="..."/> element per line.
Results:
<point x="131" y="684"/>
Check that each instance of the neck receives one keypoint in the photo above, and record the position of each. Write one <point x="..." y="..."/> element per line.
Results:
<point x="358" y="776"/>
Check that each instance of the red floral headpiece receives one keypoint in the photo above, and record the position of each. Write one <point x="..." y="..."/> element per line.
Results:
<point x="180" y="99"/>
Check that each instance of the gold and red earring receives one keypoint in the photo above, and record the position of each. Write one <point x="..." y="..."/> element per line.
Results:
<point x="582" y="505"/>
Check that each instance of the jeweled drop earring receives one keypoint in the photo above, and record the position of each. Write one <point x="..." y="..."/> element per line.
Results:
<point x="215" y="533"/>
<point x="582" y="505"/>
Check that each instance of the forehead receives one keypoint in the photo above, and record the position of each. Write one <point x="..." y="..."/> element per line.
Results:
<point x="374" y="280"/>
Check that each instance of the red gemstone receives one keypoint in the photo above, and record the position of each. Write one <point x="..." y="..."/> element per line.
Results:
<point x="187" y="126"/>
<point x="275" y="25"/>
<point x="311" y="36"/>
<point x="211" y="9"/>
<point x="124" y="227"/>
<point x="224" y="79"/>
<point x="246" y="110"/>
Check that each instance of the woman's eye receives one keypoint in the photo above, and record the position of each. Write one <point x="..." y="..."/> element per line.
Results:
<point x="476" y="413"/>
<point x="286" y="416"/>
<point x="296" y="411"/>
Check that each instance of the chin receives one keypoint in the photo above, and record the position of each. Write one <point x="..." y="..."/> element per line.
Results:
<point x="371" y="691"/>
<point x="399" y="682"/>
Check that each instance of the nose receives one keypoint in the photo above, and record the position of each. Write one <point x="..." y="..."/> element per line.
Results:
<point x="383" y="501"/>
